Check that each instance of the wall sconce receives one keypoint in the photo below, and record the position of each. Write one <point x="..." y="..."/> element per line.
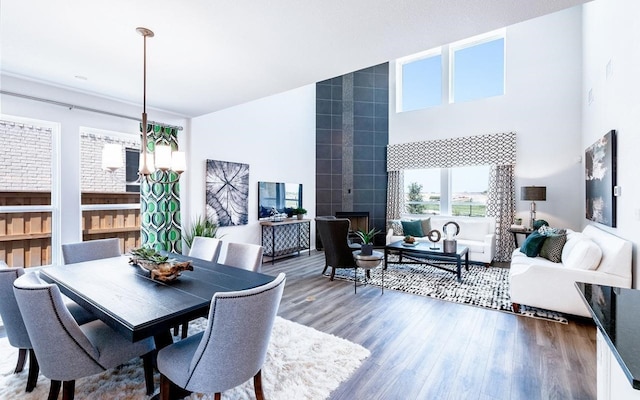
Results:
<point x="533" y="194"/>
<point x="112" y="157"/>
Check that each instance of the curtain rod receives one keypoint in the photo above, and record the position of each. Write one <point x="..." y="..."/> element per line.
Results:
<point x="73" y="106"/>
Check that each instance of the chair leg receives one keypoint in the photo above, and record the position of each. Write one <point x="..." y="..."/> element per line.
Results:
<point x="217" y="396"/>
<point x="185" y="329"/>
<point x="147" y="362"/>
<point x="22" y="356"/>
<point x="165" y="388"/>
<point x="171" y="391"/>
<point x="325" y="268"/>
<point x="54" y="390"/>
<point x="68" y="390"/>
<point x="333" y="273"/>
<point x="515" y="307"/>
<point x="34" y="369"/>
<point x="257" y="385"/>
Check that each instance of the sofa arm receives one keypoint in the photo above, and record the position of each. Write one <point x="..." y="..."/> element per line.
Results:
<point x="389" y="237"/>
<point x="490" y="244"/>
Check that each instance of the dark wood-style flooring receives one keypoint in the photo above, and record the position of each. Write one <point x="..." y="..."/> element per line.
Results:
<point x="423" y="348"/>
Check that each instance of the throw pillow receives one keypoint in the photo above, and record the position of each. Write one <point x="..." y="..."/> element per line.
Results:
<point x="426" y="226"/>
<point x="532" y="244"/>
<point x="552" y="248"/>
<point x="539" y="223"/>
<point x="413" y="228"/>
<point x="583" y="253"/>
<point x="396" y="226"/>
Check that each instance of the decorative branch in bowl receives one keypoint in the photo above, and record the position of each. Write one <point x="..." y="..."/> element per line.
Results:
<point x="161" y="267"/>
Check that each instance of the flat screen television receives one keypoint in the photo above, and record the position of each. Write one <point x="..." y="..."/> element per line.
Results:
<point x="278" y="197"/>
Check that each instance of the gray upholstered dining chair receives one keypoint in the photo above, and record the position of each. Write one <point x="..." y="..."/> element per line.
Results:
<point x="205" y="248"/>
<point x="14" y="325"/>
<point x="90" y="250"/>
<point x="338" y="251"/>
<point x="244" y="255"/>
<point x="67" y="351"/>
<point x="232" y="348"/>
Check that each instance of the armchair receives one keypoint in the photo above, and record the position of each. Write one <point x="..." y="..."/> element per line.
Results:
<point x="338" y="251"/>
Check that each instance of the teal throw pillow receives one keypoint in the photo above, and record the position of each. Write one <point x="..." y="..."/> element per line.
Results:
<point x="412" y="228"/>
<point x="539" y="223"/>
<point x="532" y="244"/>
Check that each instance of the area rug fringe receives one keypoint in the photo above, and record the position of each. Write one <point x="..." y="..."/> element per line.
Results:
<point x="480" y="286"/>
<point x="302" y="363"/>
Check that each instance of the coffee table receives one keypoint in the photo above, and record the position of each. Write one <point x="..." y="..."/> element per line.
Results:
<point x="428" y="253"/>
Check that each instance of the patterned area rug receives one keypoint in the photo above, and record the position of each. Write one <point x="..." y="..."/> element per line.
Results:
<point x="480" y="286"/>
<point x="302" y="363"/>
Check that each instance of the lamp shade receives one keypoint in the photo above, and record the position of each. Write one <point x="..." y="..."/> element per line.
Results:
<point x="533" y="193"/>
<point x="111" y="156"/>
<point x="178" y="161"/>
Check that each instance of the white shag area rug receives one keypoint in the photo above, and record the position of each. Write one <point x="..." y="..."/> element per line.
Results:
<point x="302" y="363"/>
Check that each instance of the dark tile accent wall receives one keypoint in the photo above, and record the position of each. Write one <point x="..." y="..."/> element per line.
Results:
<point x="352" y="134"/>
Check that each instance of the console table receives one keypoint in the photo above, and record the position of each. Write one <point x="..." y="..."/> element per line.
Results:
<point x="285" y="238"/>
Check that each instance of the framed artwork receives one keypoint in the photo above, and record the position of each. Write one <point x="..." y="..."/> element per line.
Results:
<point x="227" y="188"/>
<point x="600" y="180"/>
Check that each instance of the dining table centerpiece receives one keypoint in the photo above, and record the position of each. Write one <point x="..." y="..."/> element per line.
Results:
<point x="161" y="267"/>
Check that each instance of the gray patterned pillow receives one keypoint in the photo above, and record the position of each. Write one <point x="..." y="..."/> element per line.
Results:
<point x="552" y="247"/>
<point x="396" y="225"/>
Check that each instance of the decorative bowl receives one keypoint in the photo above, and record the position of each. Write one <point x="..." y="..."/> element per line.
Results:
<point x="164" y="272"/>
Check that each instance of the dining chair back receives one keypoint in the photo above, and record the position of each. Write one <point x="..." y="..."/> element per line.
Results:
<point x="232" y="348"/>
<point x="205" y="248"/>
<point x="90" y="250"/>
<point x="14" y="325"/>
<point x="65" y="350"/>
<point x="244" y="255"/>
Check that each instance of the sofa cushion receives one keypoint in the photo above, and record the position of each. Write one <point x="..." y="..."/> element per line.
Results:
<point x="396" y="226"/>
<point x="532" y="244"/>
<point x="473" y="230"/>
<point x="580" y="252"/>
<point x="412" y="228"/>
<point x="426" y="226"/>
<point x="552" y="247"/>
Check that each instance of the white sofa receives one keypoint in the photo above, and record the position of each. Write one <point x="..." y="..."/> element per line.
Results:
<point x="538" y="282"/>
<point x="477" y="233"/>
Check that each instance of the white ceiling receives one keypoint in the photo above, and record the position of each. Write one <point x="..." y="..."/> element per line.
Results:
<point x="208" y="55"/>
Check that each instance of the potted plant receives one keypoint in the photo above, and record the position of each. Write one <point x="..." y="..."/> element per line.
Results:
<point x="200" y="227"/>
<point x="299" y="212"/>
<point x="367" y="240"/>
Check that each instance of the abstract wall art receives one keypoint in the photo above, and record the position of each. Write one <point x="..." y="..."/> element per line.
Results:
<point x="227" y="189"/>
<point x="600" y="180"/>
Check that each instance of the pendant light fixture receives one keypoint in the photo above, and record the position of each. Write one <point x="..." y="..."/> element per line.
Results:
<point x="165" y="159"/>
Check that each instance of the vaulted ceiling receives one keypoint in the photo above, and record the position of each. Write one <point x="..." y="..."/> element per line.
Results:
<point x="208" y="55"/>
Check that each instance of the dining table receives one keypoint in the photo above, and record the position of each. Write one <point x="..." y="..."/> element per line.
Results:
<point x="125" y="297"/>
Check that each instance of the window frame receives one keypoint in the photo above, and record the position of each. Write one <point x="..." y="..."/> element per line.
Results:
<point x="401" y="62"/>
<point x="471" y="42"/>
<point x="56" y="172"/>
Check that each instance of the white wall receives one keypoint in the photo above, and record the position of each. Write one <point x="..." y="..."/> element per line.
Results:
<point x="611" y="36"/>
<point x="70" y="122"/>
<point x="274" y="135"/>
<point x="541" y="104"/>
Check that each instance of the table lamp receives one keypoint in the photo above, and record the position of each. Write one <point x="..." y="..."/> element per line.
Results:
<point x="533" y="194"/>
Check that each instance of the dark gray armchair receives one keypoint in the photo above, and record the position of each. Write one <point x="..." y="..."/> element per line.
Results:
<point x="67" y="351"/>
<point x="338" y="251"/>
<point x="230" y="351"/>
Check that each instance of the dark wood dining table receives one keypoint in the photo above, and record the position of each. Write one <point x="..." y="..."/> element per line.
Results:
<point x="129" y="301"/>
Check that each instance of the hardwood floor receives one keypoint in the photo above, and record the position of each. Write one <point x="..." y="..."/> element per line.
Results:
<point x="423" y="348"/>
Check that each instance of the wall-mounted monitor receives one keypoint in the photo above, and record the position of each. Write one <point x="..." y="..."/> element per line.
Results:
<point x="278" y="197"/>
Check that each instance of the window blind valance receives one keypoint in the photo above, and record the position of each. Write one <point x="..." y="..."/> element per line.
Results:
<point x="492" y="149"/>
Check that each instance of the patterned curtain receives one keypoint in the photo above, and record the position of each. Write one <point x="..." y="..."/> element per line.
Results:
<point x="395" y="194"/>
<point x="501" y="204"/>
<point x="160" y="202"/>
